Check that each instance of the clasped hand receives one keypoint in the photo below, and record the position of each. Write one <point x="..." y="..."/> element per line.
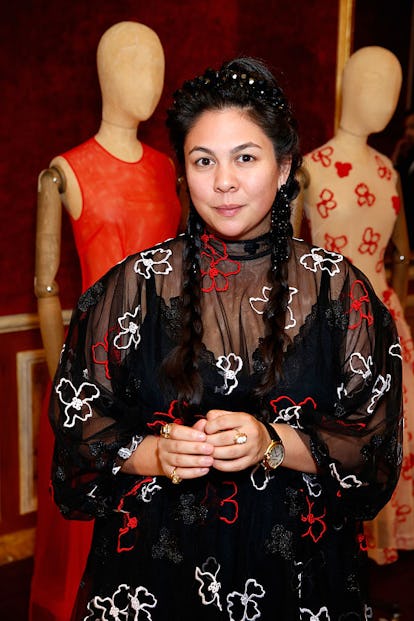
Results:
<point x="227" y="441"/>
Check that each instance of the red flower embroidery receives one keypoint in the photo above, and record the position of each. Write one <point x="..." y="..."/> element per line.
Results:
<point x="362" y="542"/>
<point x="343" y="168"/>
<point x="326" y="203"/>
<point x="227" y="508"/>
<point x="396" y="204"/>
<point x="323" y="156"/>
<point x="317" y="526"/>
<point x="217" y="272"/>
<point x="384" y="172"/>
<point x="370" y="239"/>
<point x="162" y="418"/>
<point x="129" y="527"/>
<point x="100" y="353"/>
<point x="335" y="244"/>
<point x="365" y="197"/>
<point x="359" y="300"/>
<point x="380" y="263"/>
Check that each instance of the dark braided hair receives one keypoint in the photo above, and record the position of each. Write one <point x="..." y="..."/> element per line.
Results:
<point x="245" y="83"/>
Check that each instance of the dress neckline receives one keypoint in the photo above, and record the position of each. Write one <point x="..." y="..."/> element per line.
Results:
<point x="238" y="250"/>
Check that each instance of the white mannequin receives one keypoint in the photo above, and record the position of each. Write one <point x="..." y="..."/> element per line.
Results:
<point x="130" y="62"/>
<point x="351" y="199"/>
<point x="370" y="89"/>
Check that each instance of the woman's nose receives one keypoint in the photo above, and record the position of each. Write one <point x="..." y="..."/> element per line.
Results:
<point x="225" y="180"/>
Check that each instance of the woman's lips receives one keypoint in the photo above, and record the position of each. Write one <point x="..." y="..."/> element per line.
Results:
<point x="228" y="210"/>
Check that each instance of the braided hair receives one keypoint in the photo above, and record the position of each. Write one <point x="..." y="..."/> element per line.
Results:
<point x="245" y="83"/>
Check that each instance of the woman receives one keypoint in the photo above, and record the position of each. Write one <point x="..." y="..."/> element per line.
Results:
<point x="228" y="403"/>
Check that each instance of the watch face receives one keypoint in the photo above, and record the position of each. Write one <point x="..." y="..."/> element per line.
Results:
<point x="275" y="455"/>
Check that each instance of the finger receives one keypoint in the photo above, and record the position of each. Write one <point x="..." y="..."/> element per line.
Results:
<point x="226" y="438"/>
<point x="227" y="420"/>
<point x="231" y="465"/>
<point x="183" y="432"/>
<point x="191" y="461"/>
<point x="190" y="473"/>
<point x="231" y="452"/>
<point x="184" y="447"/>
<point x="200" y="424"/>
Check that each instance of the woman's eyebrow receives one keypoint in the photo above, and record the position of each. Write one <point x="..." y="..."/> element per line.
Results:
<point x="241" y="147"/>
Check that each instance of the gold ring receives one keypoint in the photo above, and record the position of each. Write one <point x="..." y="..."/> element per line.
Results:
<point x="174" y="477"/>
<point x="240" y="438"/>
<point x="166" y="430"/>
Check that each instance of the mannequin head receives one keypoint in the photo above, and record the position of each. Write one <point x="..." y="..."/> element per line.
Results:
<point x="130" y="62"/>
<point x="371" y="86"/>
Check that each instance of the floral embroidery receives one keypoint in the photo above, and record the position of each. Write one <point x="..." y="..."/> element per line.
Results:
<point x="313" y="485"/>
<point x="280" y="541"/>
<point x="381" y="386"/>
<point x="407" y="349"/>
<point x="209" y="589"/>
<point x="384" y="172"/>
<point x="223" y="501"/>
<point x="346" y="482"/>
<point x="260" y="477"/>
<point x="327" y="203"/>
<point x="380" y="263"/>
<point x="343" y="168"/>
<point x="308" y="615"/>
<point x="361" y="365"/>
<point x="167" y="547"/>
<point x="292" y="321"/>
<point x="128" y="531"/>
<point x="359" y="301"/>
<point x="395" y="350"/>
<point x="335" y="244"/>
<point x="76" y="407"/>
<point x="190" y="511"/>
<point x="365" y="197"/>
<point x="243" y="606"/>
<point x="161" y="418"/>
<point x="323" y="156"/>
<point x="98" y="347"/>
<point x="370" y="241"/>
<point x="291" y="412"/>
<point x="229" y="365"/>
<point x="317" y="526"/>
<point x="258" y="304"/>
<point x="321" y="259"/>
<point x="216" y="275"/>
<point x="117" y="607"/>
<point x="155" y="261"/>
<point x="129" y="330"/>
<point x="125" y="452"/>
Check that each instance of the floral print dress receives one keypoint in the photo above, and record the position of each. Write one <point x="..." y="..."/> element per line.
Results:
<point x="355" y="213"/>
<point x="237" y="546"/>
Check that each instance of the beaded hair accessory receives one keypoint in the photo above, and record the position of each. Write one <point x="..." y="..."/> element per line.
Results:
<point x="244" y="85"/>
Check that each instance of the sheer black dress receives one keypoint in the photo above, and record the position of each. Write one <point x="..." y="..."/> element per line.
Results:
<point x="228" y="546"/>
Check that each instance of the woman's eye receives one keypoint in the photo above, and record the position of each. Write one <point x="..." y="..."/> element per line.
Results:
<point x="245" y="157"/>
<point x="203" y="161"/>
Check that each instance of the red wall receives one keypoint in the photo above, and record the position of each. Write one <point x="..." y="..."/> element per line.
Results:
<point x="51" y="102"/>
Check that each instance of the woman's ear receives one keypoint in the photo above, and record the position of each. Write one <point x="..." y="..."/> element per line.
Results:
<point x="284" y="170"/>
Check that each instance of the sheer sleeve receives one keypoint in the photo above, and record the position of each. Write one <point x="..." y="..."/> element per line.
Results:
<point x="357" y="443"/>
<point x="94" y="409"/>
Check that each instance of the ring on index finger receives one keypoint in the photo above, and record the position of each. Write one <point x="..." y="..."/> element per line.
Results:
<point x="240" y="437"/>
<point x="166" y="430"/>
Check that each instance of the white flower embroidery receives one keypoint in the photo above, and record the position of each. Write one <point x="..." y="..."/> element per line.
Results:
<point x="292" y="412"/>
<point x="209" y="589"/>
<point x="321" y="259"/>
<point x="308" y="615"/>
<point x="130" y="328"/>
<point x="341" y="391"/>
<point x="258" y="304"/>
<point x="313" y="485"/>
<point x="76" y="407"/>
<point x="395" y="350"/>
<point x="361" y="365"/>
<point x="346" y="482"/>
<point x="153" y="261"/>
<point x="116" y="608"/>
<point x="246" y="601"/>
<point x="260" y="477"/>
<point x="149" y="490"/>
<point x="381" y="386"/>
<point x="230" y="365"/>
<point x="292" y="321"/>
<point x="126" y="451"/>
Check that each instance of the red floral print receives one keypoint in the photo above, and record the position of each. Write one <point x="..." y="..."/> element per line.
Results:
<point x="365" y="197"/>
<point x="380" y="263"/>
<point x="100" y="352"/>
<point x="359" y="301"/>
<point x="396" y="204"/>
<point x="370" y="239"/>
<point x="343" y="168"/>
<point x="218" y="271"/>
<point x="317" y="526"/>
<point x="162" y="418"/>
<point x="335" y="244"/>
<point x="130" y="524"/>
<point x="323" y="156"/>
<point x="326" y="203"/>
<point x="384" y="172"/>
<point x="227" y="507"/>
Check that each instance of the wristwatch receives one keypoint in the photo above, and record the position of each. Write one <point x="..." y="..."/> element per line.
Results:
<point x="275" y="452"/>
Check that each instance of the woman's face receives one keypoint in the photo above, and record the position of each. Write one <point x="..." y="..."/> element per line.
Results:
<point x="232" y="173"/>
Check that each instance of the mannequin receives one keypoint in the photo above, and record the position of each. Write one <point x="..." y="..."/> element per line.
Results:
<point x="121" y="197"/>
<point x="352" y="201"/>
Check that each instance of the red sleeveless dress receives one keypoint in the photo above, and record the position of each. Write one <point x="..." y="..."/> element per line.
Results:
<point x="126" y="207"/>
